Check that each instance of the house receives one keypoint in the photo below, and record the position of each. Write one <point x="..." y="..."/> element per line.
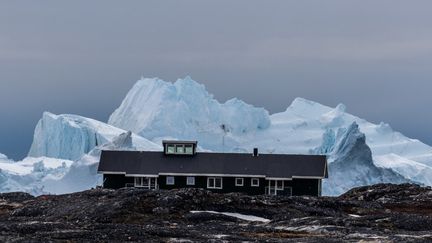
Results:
<point x="181" y="166"/>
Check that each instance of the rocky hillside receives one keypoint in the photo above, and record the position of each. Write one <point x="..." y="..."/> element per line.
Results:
<point x="384" y="212"/>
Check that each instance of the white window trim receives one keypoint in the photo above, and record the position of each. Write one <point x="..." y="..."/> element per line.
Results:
<point x="279" y="188"/>
<point x="239" y="184"/>
<point x="173" y="180"/>
<point x="252" y="182"/>
<point x="188" y="182"/>
<point x="214" y="178"/>
<point x="148" y="179"/>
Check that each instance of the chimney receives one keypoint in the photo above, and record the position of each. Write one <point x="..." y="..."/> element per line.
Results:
<point x="255" y="152"/>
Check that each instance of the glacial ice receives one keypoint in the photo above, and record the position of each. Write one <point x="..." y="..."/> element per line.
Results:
<point x="351" y="164"/>
<point x="3" y="157"/>
<point x="185" y="110"/>
<point x="71" y="136"/>
<point x="27" y="175"/>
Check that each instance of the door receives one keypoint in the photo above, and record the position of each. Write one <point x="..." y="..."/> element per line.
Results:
<point x="274" y="187"/>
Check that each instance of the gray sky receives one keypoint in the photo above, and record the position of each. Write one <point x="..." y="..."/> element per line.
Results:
<point x="82" y="57"/>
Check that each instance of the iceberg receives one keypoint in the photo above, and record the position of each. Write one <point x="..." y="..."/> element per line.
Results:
<point x="71" y="136"/>
<point x="351" y="164"/>
<point x="157" y="109"/>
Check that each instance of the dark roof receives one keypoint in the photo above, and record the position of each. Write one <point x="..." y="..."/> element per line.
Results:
<point x="269" y="165"/>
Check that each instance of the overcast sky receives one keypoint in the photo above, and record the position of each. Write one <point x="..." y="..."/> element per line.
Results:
<point x="82" y="57"/>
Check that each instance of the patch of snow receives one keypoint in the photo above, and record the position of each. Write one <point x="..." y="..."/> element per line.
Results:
<point x="237" y="215"/>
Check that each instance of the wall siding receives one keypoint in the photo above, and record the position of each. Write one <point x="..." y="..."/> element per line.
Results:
<point x="228" y="184"/>
<point x="300" y="187"/>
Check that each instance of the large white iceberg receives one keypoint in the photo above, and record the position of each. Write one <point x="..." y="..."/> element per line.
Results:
<point x="72" y="136"/>
<point x="155" y="109"/>
<point x="359" y="152"/>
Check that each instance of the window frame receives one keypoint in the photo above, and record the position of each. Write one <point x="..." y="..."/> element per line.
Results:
<point x="281" y="187"/>
<point x="253" y="184"/>
<point x="170" y="146"/>
<point x="188" y="182"/>
<point x="214" y="182"/>
<point x="188" y="146"/>
<point x="169" y="183"/>
<point x="239" y="184"/>
<point x="179" y="146"/>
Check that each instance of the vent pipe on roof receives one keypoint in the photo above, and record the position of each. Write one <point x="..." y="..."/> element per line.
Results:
<point x="255" y="152"/>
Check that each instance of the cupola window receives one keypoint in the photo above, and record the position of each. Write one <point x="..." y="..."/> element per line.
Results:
<point x="179" y="147"/>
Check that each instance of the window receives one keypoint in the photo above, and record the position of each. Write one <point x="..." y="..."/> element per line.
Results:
<point x="146" y="182"/>
<point x="239" y="181"/>
<point x="139" y="182"/>
<point x="179" y="149"/>
<point x="254" y="182"/>
<point x="188" y="149"/>
<point x="190" y="181"/>
<point x="170" y="180"/>
<point x="214" y="182"/>
<point x="279" y="185"/>
<point x="170" y="149"/>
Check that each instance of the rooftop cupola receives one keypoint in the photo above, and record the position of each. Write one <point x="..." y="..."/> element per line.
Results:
<point x="174" y="147"/>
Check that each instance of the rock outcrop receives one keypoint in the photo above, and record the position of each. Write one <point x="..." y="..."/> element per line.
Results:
<point x="384" y="212"/>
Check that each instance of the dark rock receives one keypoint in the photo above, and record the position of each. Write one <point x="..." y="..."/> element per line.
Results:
<point x="384" y="212"/>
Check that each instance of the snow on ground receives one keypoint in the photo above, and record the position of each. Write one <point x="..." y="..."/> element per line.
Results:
<point x="237" y="215"/>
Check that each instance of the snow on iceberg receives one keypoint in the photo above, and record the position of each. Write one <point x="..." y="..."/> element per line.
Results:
<point x="70" y="136"/>
<point x="3" y="157"/>
<point x="26" y="175"/>
<point x="417" y="172"/>
<point x="155" y="109"/>
<point x="351" y="164"/>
